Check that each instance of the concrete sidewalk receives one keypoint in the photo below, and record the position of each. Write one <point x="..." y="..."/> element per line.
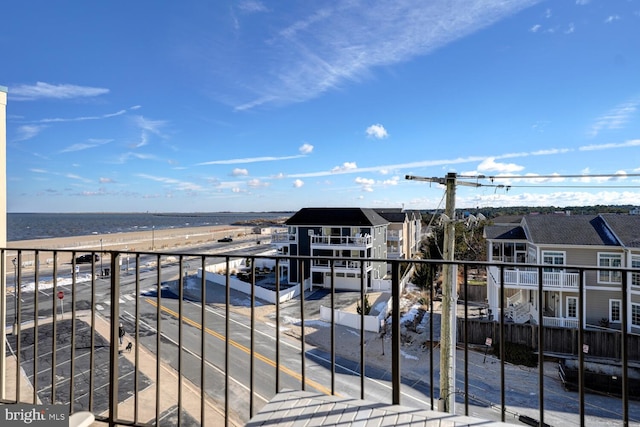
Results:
<point x="146" y="398"/>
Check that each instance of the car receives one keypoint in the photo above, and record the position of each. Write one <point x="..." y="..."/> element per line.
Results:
<point x="225" y="239"/>
<point x="85" y="259"/>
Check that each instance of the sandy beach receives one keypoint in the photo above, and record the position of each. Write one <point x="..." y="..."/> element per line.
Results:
<point x="142" y="241"/>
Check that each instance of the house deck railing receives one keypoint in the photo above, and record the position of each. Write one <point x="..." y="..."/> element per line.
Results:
<point x="199" y="355"/>
<point x="340" y="264"/>
<point x="560" y="322"/>
<point x="355" y="241"/>
<point x="395" y="235"/>
<point x="528" y="277"/>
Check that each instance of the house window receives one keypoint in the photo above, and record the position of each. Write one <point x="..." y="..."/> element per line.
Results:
<point x="609" y="260"/>
<point x="553" y="258"/>
<point x="496" y="252"/>
<point x="635" y="314"/>
<point x="635" y="263"/>
<point x="572" y="307"/>
<point x="615" y="310"/>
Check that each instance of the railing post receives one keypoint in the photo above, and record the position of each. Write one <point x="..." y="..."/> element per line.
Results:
<point x="623" y="350"/>
<point x="114" y="338"/>
<point x="395" y="332"/>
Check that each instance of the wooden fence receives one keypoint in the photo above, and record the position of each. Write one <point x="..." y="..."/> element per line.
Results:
<point x="600" y="343"/>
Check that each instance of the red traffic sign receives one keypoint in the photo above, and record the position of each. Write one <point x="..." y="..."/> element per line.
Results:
<point x="60" y="294"/>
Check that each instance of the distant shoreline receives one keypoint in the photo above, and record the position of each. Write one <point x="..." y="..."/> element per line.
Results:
<point x="49" y="226"/>
<point x="141" y="240"/>
<point x="164" y="240"/>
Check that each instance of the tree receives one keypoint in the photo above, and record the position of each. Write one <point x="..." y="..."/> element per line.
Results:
<point x="367" y="306"/>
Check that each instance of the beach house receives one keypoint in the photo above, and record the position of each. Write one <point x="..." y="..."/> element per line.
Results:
<point x="559" y="242"/>
<point x="403" y="232"/>
<point x="339" y="239"/>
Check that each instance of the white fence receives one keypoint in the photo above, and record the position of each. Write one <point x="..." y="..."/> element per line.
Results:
<point x="260" y="292"/>
<point x="352" y="320"/>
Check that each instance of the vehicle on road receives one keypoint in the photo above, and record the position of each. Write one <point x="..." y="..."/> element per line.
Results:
<point x="86" y="259"/>
<point x="225" y="239"/>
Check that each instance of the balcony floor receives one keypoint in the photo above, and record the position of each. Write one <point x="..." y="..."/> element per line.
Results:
<point x="306" y="408"/>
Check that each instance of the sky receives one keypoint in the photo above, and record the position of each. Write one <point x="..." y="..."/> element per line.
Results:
<point x="203" y="106"/>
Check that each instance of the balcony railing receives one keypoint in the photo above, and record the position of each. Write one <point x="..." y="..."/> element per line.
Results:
<point x="339" y="264"/>
<point x="282" y="238"/>
<point x="528" y="278"/>
<point x="560" y="322"/>
<point x="355" y="241"/>
<point x="201" y="354"/>
<point x="395" y="235"/>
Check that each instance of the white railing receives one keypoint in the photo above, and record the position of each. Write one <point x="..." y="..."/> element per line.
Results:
<point x="342" y="240"/>
<point x="394" y="235"/>
<point x="340" y="264"/>
<point x="282" y="237"/>
<point x="560" y="322"/>
<point x="550" y="279"/>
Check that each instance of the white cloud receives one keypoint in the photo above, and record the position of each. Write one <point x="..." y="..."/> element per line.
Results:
<point x="491" y="165"/>
<point x="345" y="167"/>
<point x="377" y="131"/>
<point x="240" y="172"/>
<point x="582" y="2"/>
<point x="366" y="184"/>
<point x="535" y="28"/>
<point x="486" y="161"/>
<point x="179" y="185"/>
<point x="570" y="29"/>
<point x="298" y="183"/>
<point x="83" y="118"/>
<point x="391" y="181"/>
<point x="45" y="90"/>
<point x="306" y="148"/>
<point x="364" y="181"/>
<point x="615" y="118"/>
<point x="106" y="180"/>
<point x="611" y="19"/>
<point x="28" y="131"/>
<point x="594" y="147"/>
<point x="123" y="158"/>
<point x="256" y="183"/>
<point x="248" y="160"/>
<point x="340" y="44"/>
<point x="84" y="146"/>
<point x="252" y="6"/>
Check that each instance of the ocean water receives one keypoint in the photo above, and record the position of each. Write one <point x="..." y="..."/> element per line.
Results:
<point x="28" y="226"/>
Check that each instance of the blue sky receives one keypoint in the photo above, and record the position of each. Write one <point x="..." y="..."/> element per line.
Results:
<point x="255" y="105"/>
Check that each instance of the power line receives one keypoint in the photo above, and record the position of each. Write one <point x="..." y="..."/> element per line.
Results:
<point x="493" y="177"/>
<point x="572" y="186"/>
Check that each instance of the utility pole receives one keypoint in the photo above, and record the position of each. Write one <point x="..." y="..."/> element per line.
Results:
<point x="448" y="326"/>
<point x="448" y="323"/>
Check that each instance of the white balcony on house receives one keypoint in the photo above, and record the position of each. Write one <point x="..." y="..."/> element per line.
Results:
<point x="352" y="242"/>
<point x="529" y="278"/>
<point x="394" y="235"/>
<point x="282" y="237"/>
<point x="339" y="266"/>
<point x="395" y="251"/>
<point x="560" y="322"/>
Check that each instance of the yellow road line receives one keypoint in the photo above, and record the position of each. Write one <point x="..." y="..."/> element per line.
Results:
<point x="241" y="347"/>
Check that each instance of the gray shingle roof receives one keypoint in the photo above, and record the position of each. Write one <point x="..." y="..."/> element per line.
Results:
<point x="568" y="230"/>
<point x="625" y="227"/>
<point x="504" y="232"/>
<point x="336" y="217"/>
<point x="392" y="215"/>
